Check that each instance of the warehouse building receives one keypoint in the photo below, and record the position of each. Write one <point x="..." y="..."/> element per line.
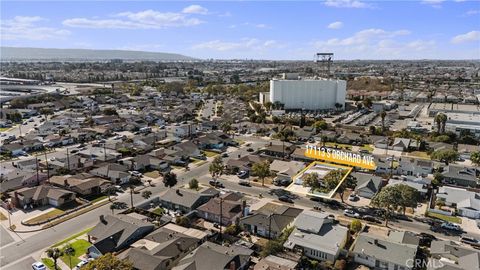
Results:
<point x="308" y="94"/>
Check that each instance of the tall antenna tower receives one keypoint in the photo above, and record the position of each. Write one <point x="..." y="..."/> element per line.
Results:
<point x="326" y="60"/>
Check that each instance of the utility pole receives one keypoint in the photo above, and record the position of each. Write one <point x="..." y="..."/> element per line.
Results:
<point x="104" y="152"/>
<point x="68" y="160"/>
<point x="270" y="226"/>
<point x="221" y="217"/>
<point x="36" y="163"/>
<point x="46" y="163"/>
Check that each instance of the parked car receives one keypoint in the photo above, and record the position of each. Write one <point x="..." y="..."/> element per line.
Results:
<point x="353" y="198"/>
<point x="224" y="155"/>
<point x="370" y="218"/>
<point x="81" y="264"/>
<point x="286" y="199"/>
<point x="471" y="241"/>
<point x="426" y="239"/>
<point x="244" y="183"/>
<point x="38" y="266"/>
<point x="282" y="182"/>
<point x="135" y="173"/>
<point x="250" y="150"/>
<point x="451" y="226"/>
<point x="216" y="183"/>
<point x="242" y="174"/>
<point x="351" y="213"/>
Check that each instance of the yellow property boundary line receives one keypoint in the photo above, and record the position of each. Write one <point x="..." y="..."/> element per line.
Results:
<point x="314" y="163"/>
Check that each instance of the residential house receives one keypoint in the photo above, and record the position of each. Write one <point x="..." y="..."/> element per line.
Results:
<point x="41" y="195"/>
<point x="381" y="252"/>
<point x="244" y="163"/>
<point x="117" y="173"/>
<point x="317" y="236"/>
<point x="448" y="255"/>
<point x="13" y="178"/>
<point x="411" y="166"/>
<point x="278" y="150"/>
<point x="115" y="233"/>
<point x="401" y="144"/>
<point x="161" y="249"/>
<point x="229" y="206"/>
<point x="186" y="200"/>
<point x="285" y="170"/>
<point x="272" y="262"/>
<point x="210" y="256"/>
<point x="83" y="184"/>
<point x="368" y="185"/>
<point x="214" y="140"/>
<point x="188" y="149"/>
<point x="183" y="130"/>
<point x="270" y="220"/>
<point x="146" y="162"/>
<point x="466" y="202"/>
<point x="15" y="149"/>
<point x="460" y="176"/>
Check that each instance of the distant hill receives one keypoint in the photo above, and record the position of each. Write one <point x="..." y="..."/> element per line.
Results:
<point x="42" y="54"/>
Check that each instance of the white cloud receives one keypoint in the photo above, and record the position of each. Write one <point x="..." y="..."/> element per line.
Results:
<point x="24" y="27"/>
<point x="472" y="12"/>
<point x="195" y="9"/>
<point x="433" y="3"/>
<point x="467" y="37"/>
<point x="147" y="19"/>
<point x="347" y="4"/>
<point x="376" y="44"/>
<point x="245" y="44"/>
<point x="335" y="25"/>
<point x="261" y="25"/>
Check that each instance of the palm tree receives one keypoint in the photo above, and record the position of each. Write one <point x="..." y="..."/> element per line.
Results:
<point x="441" y="120"/>
<point x="382" y="115"/>
<point x="110" y="190"/>
<point x="69" y="251"/>
<point x="54" y="254"/>
<point x="444" y="119"/>
<point x="132" y="190"/>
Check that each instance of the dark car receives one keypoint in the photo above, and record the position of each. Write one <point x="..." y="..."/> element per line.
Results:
<point x="285" y="199"/>
<point x="224" y="155"/>
<point x="370" y="218"/>
<point x="216" y="184"/>
<point x="471" y="241"/>
<point x="426" y="239"/>
<point x="250" y="150"/>
<point x="244" y="183"/>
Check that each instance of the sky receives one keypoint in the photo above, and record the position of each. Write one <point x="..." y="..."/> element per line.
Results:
<point x="276" y="30"/>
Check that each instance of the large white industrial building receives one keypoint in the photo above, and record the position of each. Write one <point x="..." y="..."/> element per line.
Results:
<point x="308" y="94"/>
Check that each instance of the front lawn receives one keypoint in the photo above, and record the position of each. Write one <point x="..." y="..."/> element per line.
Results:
<point x="367" y="147"/>
<point x="45" y="216"/>
<point x="72" y="237"/>
<point x="419" y="154"/>
<point x="451" y="219"/>
<point x="5" y="129"/>
<point x="99" y="198"/>
<point x="152" y="174"/>
<point x="80" y="246"/>
<point x="2" y="216"/>
<point x="210" y="153"/>
<point x="338" y="145"/>
<point x="48" y="263"/>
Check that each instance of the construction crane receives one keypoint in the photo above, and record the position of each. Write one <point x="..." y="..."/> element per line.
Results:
<point x="326" y="59"/>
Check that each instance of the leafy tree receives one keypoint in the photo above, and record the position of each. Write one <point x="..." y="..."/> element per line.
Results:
<point x="146" y="194"/>
<point x="193" y="184"/>
<point x="170" y="179"/>
<point x="232" y="229"/>
<point x="350" y="183"/>
<point x="437" y="179"/>
<point x="69" y="251"/>
<point x="109" y="262"/>
<point x="311" y="180"/>
<point x="320" y="125"/>
<point x="54" y="254"/>
<point x="110" y="111"/>
<point x="409" y="197"/>
<point x="383" y="114"/>
<point x="182" y="221"/>
<point x="332" y="179"/>
<point x="261" y="170"/>
<point x="475" y="158"/>
<point x="445" y="155"/>
<point x="355" y="225"/>
<point x="216" y="168"/>
<point x="367" y="103"/>
<point x="389" y="198"/>
<point x="373" y="130"/>
<point x="440" y="119"/>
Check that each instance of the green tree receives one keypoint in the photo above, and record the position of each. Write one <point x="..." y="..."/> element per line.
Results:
<point x="383" y="114"/>
<point x="108" y="262"/>
<point x="261" y="170"/>
<point x="440" y="119"/>
<point x="69" y="251"/>
<point x="183" y="221"/>
<point x="349" y="183"/>
<point x="320" y="125"/>
<point x="475" y="158"/>
<point x="216" y="168"/>
<point x="367" y="103"/>
<point x="117" y="206"/>
<point x="409" y="197"/>
<point x="170" y="179"/>
<point x="389" y="198"/>
<point x="146" y="194"/>
<point x="110" y="111"/>
<point x="355" y="226"/>
<point x="437" y="179"/>
<point x="445" y="155"/>
<point x="193" y="184"/>
<point x="109" y="191"/>
<point x="311" y="180"/>
<point x="54" y="254"/>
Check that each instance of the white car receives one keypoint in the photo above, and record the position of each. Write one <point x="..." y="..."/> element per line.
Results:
<point x="451" y="226"/>
<point x="38" y="266"/>
<point x="136" y="173"/>
<point x="351" y="213"/>
<point x="81" y="264"/>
